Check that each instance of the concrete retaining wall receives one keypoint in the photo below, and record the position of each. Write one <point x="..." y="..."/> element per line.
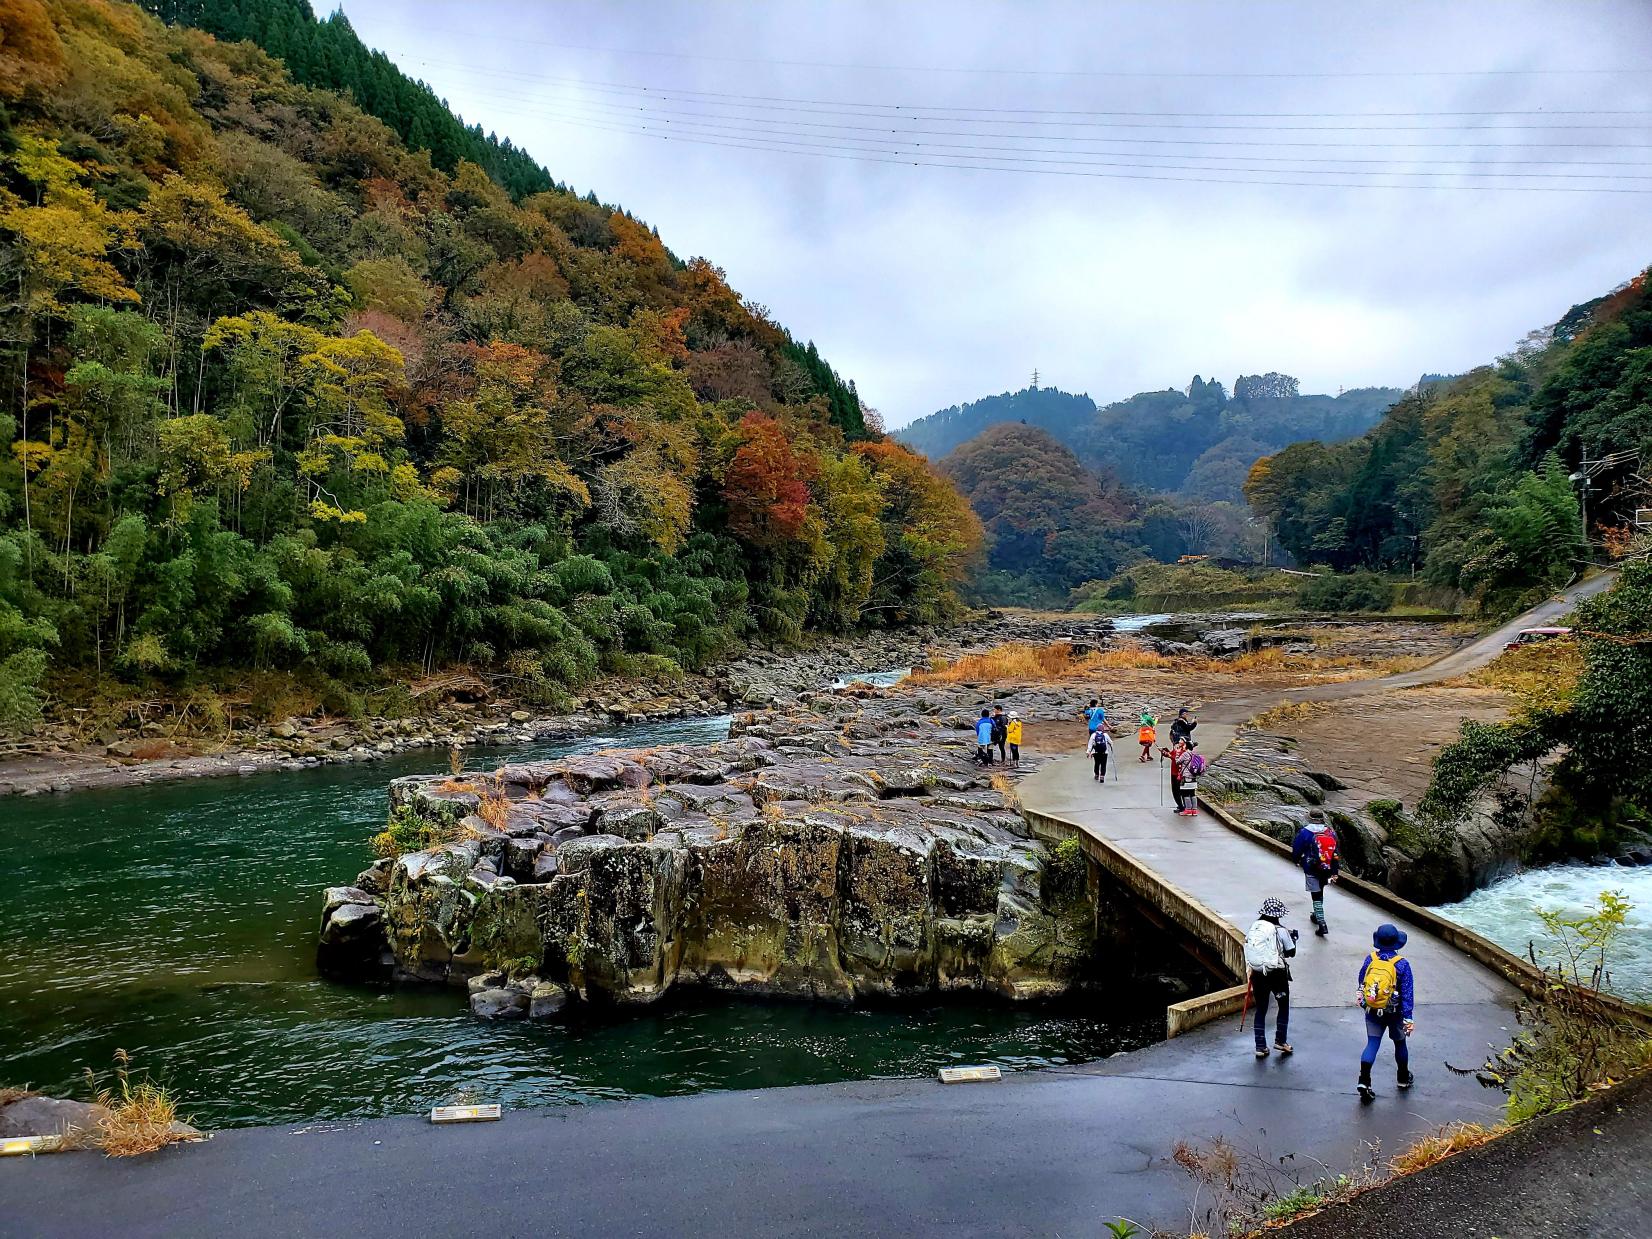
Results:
<point x="1172" y="903"/>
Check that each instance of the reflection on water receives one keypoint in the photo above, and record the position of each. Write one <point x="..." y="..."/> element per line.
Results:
<point x="178" y="921"/>
<point x="1507" y="914"/>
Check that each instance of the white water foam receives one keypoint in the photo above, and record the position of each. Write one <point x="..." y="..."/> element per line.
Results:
<point x="1507" y="914"/>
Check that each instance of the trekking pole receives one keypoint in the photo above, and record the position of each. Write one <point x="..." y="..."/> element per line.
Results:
<point x="1161" y="782"/>
<point x="1244" y="1009"/>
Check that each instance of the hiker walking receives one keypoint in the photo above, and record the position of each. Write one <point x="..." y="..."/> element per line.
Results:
<point x="1181" y="727"/>
<point x="1147" y="735"/>
<point x="1000" y="732"/>
<point x="1095" y="717"/>
<point x="1387" y="994"/>
<point x="1193" y="765"/>
<point x="983" y="738"/>
<point x="1315" y="849"/>
<point x="1184" y="785"/>
<point x="1012" y="732"/>
<point x="1100" y="749"/>
<point x="1268" y="948"/>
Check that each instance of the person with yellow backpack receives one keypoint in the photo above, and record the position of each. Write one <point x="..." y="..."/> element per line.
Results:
<point x="1387" y="994"/>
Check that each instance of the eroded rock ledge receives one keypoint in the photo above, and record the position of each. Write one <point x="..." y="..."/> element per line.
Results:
<point x="845" y="849"/>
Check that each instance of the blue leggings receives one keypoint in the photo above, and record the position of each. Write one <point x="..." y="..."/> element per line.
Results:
<point x="1375" y="1027"/>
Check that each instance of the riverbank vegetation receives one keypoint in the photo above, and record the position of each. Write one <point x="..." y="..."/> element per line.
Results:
<point x="282" y="394"/>
<point x="1469" y="482"/>
<point x="1572" y="1041"/>
<point x="1577" y="736"/>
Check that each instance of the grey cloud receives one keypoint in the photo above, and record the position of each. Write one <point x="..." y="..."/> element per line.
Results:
<point x="931" y="285"/>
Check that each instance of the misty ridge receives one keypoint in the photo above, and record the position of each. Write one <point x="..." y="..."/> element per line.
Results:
<point x="1199" y="442"/>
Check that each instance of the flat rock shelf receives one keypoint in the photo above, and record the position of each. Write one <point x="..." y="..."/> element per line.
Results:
<point x="845" y="850"/>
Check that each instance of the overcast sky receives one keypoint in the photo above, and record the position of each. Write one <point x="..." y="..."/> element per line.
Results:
<point x="933" y="285"/>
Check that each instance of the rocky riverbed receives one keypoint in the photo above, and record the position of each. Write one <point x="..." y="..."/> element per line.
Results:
<point x="466" y="710"/>
<point x="844" y="848"/>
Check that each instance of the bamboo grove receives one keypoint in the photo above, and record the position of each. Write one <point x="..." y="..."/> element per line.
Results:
<point x="282" y="394"/>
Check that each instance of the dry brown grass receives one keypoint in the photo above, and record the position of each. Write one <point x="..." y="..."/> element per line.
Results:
<point x="9" y="1095"/>
<point x="1444" y="1143"/>
<point x="1059" y="662"/>
<point x="448" y="786"/>
<point x="1286" y="714"/>
<point x="494" y="808"/>
<point x="1006" y="662"/>
<point x="143" y="1117"/>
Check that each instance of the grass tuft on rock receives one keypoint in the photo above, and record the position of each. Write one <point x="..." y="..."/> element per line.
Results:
<point x="142" y="1115"/>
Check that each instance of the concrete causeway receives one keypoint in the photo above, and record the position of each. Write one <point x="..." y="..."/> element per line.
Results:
<point x="1053" y="1152"/>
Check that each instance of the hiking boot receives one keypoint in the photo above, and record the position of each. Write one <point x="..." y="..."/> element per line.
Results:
<point x="1261" y="1051"/>
<point x="1405" y="1080"/>
<point x="1367" y="1094"/>
<point x="1283" y="1048"/>
<point x="1322" y="931"/>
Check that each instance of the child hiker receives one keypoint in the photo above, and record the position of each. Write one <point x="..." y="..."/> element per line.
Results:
<point x="1100" y="749"/>
<point x="1315" y="849"/>
<point x="1012" y="731"/>
<point x="1193" y="765"/>
<point x="1147" y="736"/>
<point x="1387" y="994"/>
<point x="1268" y="948"/>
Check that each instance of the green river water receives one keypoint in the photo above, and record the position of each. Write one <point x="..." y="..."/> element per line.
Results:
<point x="177" y="921"/>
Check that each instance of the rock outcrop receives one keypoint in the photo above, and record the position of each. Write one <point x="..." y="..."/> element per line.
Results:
<point x="839" y="851"/>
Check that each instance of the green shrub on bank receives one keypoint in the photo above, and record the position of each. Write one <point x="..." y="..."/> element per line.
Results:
<point x="1355" y="591"/>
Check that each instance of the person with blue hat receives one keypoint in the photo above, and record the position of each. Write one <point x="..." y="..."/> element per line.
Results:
<point x="1387" y="994"/>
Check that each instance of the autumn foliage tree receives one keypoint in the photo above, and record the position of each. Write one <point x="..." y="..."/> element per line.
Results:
<point x="337" y="394"/>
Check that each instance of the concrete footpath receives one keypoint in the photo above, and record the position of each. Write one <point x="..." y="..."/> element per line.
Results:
<point x="1055" y="1152"/>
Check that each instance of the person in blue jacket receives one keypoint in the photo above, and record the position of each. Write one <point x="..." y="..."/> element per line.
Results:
<point x="1315" y="849"/>
<point x="1396" y="1017"/>
<point x="983" y="737"/>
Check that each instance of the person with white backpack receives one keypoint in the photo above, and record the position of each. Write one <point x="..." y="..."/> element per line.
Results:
<point x="1268" y="949"/>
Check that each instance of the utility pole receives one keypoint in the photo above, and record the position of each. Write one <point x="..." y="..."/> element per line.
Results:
<point x="1583" y="499"/>
<point x="1035" y="379"/>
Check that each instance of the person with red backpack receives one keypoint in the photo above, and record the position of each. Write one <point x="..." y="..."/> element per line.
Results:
<point x="1387" y="994"/>
<point x="1315" y="849"/>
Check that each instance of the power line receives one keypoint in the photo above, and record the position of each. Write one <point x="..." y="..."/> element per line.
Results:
<point x="575" y="111"/>
<point x="906" y="108"/>
<point x="1067" y="73"/>
<point x="923" y="113"/>
<point x="1364" y="144"/>
<point x="994" y="164"/>
<point x="750" y="126"/>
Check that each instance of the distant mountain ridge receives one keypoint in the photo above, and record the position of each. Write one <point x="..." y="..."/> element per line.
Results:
<point x="1199" y="442"/>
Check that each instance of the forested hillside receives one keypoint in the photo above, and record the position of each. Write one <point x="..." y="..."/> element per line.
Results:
<point x="1050" y="523"/>
<point x="1470" y="480"/>
<point x="1199" y="443"/>
<point x="285" y="398"/>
